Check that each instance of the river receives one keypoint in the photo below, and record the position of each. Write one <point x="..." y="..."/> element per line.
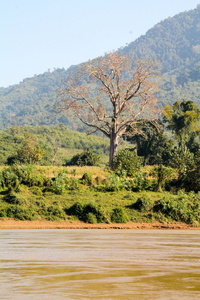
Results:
<point x="99" y="264"/>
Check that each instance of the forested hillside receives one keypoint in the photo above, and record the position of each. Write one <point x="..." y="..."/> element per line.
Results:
<point x="58" y="143"/>
<point x="174" y="41"/>
<point x="31" y="102"/>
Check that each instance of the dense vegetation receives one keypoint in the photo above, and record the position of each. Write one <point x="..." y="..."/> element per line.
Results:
<point x="58" y="144"/>
<point x="60" y="193"/>
<point x="165" y="190"/>
<point x="174" y="41"/>
<point x="158" y="180"/>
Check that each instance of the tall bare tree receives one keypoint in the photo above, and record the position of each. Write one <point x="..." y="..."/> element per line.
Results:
<point x="110" y="94"/>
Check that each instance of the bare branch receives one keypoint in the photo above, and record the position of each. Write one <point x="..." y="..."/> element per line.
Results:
<point x="109" y="94"/>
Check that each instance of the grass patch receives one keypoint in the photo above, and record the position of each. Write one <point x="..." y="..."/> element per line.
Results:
<point x="74" y="193"/>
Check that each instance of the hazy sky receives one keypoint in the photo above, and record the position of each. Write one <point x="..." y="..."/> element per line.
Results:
<point x="37" y="35"/>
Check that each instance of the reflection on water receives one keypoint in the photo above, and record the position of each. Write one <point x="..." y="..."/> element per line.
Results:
<point x="99" y="264"/>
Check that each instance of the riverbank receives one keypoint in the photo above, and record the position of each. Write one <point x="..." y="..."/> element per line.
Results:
<point x="67" y="201"/>
<point x="18" y="224"/>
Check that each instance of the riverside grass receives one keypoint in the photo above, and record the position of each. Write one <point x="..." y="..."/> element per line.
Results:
<point x="94" y="203"/>
<point x="50" y="206"/>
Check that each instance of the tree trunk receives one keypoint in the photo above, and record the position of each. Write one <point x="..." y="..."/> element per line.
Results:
<point x="114" y="141"/>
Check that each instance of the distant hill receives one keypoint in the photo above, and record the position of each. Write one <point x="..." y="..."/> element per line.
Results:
<point x="59" y="138"/>
<point x="31" y="102"/>
<point x="174" y="41"/>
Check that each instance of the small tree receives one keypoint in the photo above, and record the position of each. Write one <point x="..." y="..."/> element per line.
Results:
<point x="182" y="159"/>
<point x="86" y="158"/>
<point x="162" y="173"/>
<point x="126" y="161"/>
<point x="110" y="94"/>
<point x="152" y="144"/>
<point x="191" y="180"/>
<point x="55" y="144"/>
<point x="183" y="120"/>
<point x="30" y="152"/>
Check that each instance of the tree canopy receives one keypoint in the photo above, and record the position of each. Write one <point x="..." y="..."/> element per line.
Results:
<point x="110" y="94"/>
<point x="182" y="118"/>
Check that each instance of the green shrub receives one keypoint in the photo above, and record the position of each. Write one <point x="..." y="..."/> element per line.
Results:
<point x="9" y="179"/>
<point x="112" y="183"/>
<point x="191" y="181"/>
<point x="55" y="212"/>
<point x="140" y="182"/>
<point x="42" y="204"/>
<point x="86" y="158"/>
<point x="3" y="213"/>
<point x="11" y="160"/>
<point x="142" y="204"/>
<point x="86" y="179"/>
<point x="119" y="215"/>
<point x="127" y="161"/>
<point x="36" y="191"/>
<point x="184" y="208"/>
<point x="76" y="209"/>
<point x="84" y="212"/>
<point x="58" y="184"/>
<point x="13" y="198"/>
<point x="151" y="184"/>
<point x="96" y="210"/>
<point x="74" y="184"/>
<point x="1" y="180"/>
<point x="52" y="213"/>
<point x="22" y="174"/>
<point x="19" y="213"/>
<point x="163" y="174"/>
<point x="90" y="218"/>
<point x="36" y="180"/>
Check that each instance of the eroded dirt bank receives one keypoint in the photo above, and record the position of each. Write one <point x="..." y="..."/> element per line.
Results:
<point x="13" y="224"/>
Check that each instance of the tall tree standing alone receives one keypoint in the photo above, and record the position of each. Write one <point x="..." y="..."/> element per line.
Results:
<point x="110" y="94"/>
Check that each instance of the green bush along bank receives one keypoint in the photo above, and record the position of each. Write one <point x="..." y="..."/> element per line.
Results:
<point x="95" y="195"/>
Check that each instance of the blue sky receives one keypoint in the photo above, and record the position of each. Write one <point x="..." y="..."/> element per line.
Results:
<point x="37" y="35"/>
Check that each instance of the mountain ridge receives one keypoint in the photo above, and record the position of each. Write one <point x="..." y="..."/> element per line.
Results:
<point x="175" y="41"/>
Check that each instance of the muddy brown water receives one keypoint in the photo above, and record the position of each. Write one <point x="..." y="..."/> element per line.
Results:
<point x="99" y="264"/>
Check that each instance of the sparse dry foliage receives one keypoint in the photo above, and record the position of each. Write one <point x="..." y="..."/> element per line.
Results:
<point x="110" y="94"/>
